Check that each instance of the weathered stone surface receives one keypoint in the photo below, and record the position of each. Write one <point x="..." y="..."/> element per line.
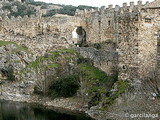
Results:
<point x="13" y="57"/>
<point x="133" y="28"/>
<point x="104" y="60"/>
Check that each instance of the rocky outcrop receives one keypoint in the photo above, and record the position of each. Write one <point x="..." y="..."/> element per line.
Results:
<point x="21" y="72"/>
<point x="16" y="80"/>
<point x="14" y="59"/>
<point x="19" y="86"/>
<point x="140" y="101"/>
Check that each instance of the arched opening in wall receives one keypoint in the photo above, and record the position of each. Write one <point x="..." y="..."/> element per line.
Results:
<point x="79" y="36"/>
<point x="123" y="67"/>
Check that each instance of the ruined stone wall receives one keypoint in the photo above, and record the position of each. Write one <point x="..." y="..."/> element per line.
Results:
<point x="40" y="34"/>
<point x="136" y="41"/>
<point x="34" y="26"/>
<point x="104" y="60"/>
<point x="93" y="28"/>
<point x="100" y="25"/>
<point x="134" y="29"/>
<point x="107" y="24"/>
<point x="119" y="25"/>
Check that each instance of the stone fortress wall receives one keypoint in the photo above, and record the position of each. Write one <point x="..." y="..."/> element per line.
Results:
<point x="134" y="29"/>
<point x="39" y="34"/>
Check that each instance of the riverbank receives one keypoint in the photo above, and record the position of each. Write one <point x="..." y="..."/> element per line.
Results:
<point x="10" y="110"/>
<point x="72" y="104"/>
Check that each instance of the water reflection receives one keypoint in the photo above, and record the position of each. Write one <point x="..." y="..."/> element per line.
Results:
<point x="19" y="111"/>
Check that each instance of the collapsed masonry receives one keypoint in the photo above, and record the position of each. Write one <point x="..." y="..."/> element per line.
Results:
<point x="135" y="30"/>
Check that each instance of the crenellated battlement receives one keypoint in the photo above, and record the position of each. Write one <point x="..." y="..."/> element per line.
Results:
<point x="131" y="27"/>
<point x="103" y="10"/>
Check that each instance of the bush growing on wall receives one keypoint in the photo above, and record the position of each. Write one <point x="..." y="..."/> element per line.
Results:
<point x="66" y="86"/>
<point x="8" y="72"/>
<point x="10" y="75"/>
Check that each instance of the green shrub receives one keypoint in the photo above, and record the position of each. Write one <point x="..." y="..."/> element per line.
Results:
<point x="37" y="3"/>
<point x="121" y="87"/>
<point x="22" y="9"/>
<point x="7" y="7"/>
<point x="9" y="73"/>
<point x="98" y="83"/>
<point x="66" y="9"/>
<point x="97" y="46"/>
<point x="10" y="76"/>
<point x="44" y="7"/>
<point x="82" y="7"/>
<point x="66" y="86"/>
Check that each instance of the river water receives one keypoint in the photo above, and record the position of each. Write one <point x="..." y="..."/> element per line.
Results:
<point x="21" y="111"/>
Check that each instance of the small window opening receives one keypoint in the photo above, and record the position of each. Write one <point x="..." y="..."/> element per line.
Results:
<point x="109" y="22"/>
<point x="136" y="18"/>
<point x="123" y="67"/>
<point x="147" y="20"/>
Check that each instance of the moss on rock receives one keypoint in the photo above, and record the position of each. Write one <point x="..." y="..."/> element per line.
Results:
<point x="17" y="47"/>
<point x="97" y="83"/>
<point x="119" y="88"/>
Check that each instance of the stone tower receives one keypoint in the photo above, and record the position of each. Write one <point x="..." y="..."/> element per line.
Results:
<point x="136" y="31"/>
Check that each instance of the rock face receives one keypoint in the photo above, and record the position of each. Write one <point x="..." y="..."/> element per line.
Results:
<point x="138" y="99"/>
<point x="17" y="91"/>
<point x="13" y="62"/>
<point x="22" y="73"/>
